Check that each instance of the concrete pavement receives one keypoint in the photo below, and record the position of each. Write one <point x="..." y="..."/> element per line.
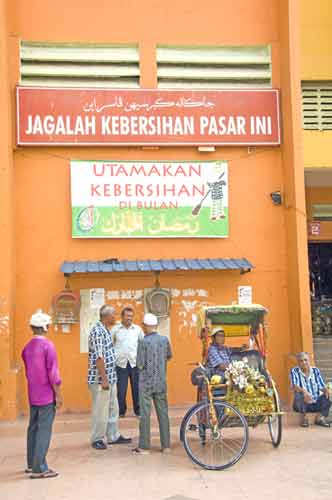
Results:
<point x="300" y="469"/>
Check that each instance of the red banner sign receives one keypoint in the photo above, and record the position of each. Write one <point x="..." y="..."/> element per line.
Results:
<point x="75" y="117"/>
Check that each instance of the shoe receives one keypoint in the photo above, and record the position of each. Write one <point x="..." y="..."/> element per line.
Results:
<point x="28" y="470"/>
<point x="99" y="445"/>
<point x="322" y="422"/>
<point x="137" y="414"/>
<point x="121" y="440"/>
<point x="122" y="415"/>
<point x="140" y="451"/>
<point x="44" y="475"/>
<point x="305" y="422"/>
<point x="167" y="451"/>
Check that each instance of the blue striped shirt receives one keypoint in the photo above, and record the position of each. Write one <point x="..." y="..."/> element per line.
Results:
<point x="217" y="355"/>
<point x="312" y="383"/>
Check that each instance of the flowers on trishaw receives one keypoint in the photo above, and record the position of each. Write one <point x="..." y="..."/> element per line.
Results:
<point x="247" y="388"/>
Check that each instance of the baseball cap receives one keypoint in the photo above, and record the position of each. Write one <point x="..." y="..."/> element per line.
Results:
<point x="150" y="319"/>
<point x="40" y="320"/>
<point x="218" y="329"/>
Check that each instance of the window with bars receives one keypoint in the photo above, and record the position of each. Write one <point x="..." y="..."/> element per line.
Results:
<point x="322" y="212"/>
<point x="79" y="65"/>
<point x="214" y="67"/>
<point x="317" y="105"/>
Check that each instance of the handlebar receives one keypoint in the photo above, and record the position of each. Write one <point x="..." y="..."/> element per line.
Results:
<point x="205" y="375"/>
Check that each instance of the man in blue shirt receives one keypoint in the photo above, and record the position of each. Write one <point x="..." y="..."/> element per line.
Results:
<point x="219" y="356"/>
<point x="310" y="392"/>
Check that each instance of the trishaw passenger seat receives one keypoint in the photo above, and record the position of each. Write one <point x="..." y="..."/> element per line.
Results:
<point x="255" y="359"/>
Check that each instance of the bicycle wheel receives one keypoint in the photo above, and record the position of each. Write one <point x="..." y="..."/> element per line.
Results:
<point x="275" y="422"/>
<point x="219" y="447"/>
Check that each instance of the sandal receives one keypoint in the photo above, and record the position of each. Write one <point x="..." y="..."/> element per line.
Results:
<point x="44" y="475"/>
<point x="140" y="451"/>
<point x="305" y="422"/>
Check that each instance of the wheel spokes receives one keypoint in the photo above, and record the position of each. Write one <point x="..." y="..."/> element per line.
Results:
<point x="220" y="446"/>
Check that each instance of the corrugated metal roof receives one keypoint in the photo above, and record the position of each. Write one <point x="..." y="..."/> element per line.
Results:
<point x="115" y="265"/>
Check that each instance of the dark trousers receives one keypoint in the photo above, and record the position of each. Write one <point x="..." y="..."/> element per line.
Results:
<point x="123" y="375"/>
<point x="39" y="436"/>
<point x="321" y="406"/>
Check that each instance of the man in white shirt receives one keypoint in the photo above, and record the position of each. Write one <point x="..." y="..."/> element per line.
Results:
<point x="125" y="337"/>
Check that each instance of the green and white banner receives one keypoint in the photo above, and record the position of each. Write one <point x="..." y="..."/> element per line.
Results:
<point x="133" y="199"/>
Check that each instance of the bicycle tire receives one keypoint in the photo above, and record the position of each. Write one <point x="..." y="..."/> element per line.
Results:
<point x="186" y="430"/>
<point x="275" y="433"/>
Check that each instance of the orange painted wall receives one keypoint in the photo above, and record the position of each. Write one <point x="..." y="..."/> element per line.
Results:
<point x="316" y="40"/>
<point x="259" y="231"/>
<point x="316" y="65"/>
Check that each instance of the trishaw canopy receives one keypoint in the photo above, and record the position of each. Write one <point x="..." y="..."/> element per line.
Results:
<point x="236" y="314"/>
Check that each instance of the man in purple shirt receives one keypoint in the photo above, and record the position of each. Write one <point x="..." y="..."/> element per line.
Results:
<point x="42" y="373"/>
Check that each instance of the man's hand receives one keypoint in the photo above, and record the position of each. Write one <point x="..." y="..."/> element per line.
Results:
<point x="58" y="396"/>
<point x="58" y="401"/>
<point x="307" y="398"/>
<point x="105" y="385"/>
<point x="326" y="393"/>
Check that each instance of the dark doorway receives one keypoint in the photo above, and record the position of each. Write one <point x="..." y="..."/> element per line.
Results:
<point x="320" y="269"/>
<point x="320" y="266"/>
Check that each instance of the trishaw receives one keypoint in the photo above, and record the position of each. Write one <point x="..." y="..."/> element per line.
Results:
<point x="215" y="431"/>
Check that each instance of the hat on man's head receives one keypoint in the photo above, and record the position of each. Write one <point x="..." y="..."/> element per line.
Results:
<point x="217" y="329"/>
<point x="150" y="320"/>
<point x="40" y="320"/>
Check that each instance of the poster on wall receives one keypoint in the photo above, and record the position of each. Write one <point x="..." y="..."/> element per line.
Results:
<point x="97" y="297"/>
<point x="244" y="295"/>
<point x="88" y="318"/>
<point x="117" y="199"/>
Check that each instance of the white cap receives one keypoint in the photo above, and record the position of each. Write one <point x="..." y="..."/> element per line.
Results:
<point x="40" y="320"/>
<point x="150" y="319"/>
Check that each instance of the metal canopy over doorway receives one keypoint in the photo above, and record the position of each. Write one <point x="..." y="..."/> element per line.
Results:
<point x="114" y="265"/>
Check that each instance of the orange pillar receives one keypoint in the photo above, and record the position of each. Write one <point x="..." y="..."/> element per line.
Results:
<point x="294" y="191"/>
<point x="8" y="374"/>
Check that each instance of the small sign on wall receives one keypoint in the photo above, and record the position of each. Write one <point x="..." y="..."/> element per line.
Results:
<point x="244" y="295"/>
<point x="97" y="298"/>
<point x="314" y="228"/>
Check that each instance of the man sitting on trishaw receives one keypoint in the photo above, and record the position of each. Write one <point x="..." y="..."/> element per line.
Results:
<point x="219" y="356"/>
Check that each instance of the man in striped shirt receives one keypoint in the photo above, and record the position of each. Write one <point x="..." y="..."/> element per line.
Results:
<point x="310" y="392"/>
<point x="219" y="356"/>
<point x="102" y="383"/>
